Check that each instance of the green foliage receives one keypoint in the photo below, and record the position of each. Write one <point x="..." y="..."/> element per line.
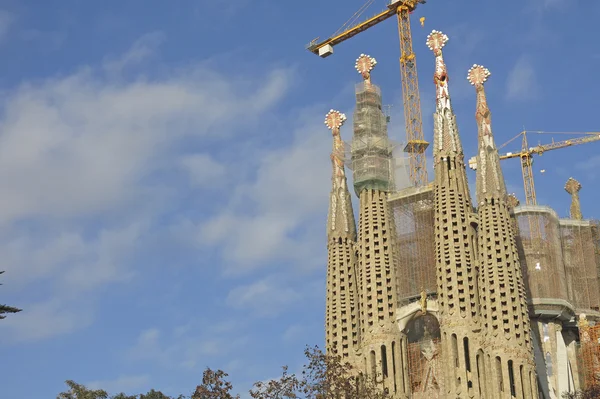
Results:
<point x="123" y="396"/>
<point x="7" y="309"/>
<point x="77" y="391"/>
<point x="214" y="386"/>
<point x="324" y="377"/>
<point x="152" y="394"/>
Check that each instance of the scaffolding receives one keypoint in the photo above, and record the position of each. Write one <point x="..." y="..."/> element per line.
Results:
<point x="540" y="252"/>
<point x="414" y="217"/>
<point x="579" y="256"/>
<point x="589" y="351"/>
<point x="371" y="149"/>
<point x="424" y="358"/>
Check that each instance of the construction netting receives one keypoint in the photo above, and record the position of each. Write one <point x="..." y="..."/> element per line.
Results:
<point x="579" y="256"/>
<point x="414" y="218"/>
<point x="424" y="358"/>
<point x="589" y="354"/>
<point x="371" y="149"/>
<point x="539" y="243"/>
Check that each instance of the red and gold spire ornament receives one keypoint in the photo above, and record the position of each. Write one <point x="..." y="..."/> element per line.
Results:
<point x="436" y="41"/>
<point x="334" y="121"/>
<point x="477" y="76"/>
<point x="364" y="65"/>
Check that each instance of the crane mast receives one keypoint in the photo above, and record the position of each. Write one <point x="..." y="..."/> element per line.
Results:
<point x="415" y="139"/>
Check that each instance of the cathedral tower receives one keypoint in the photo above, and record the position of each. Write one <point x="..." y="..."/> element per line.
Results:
<point x="454" y="241"/>
<point x="342" y="318"/>
<point x="371" y="164"/>
<point x="508" y="358"/>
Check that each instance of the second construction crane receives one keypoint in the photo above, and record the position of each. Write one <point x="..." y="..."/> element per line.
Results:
<point x="526" y="155"/>
<point x="416" y="144"/>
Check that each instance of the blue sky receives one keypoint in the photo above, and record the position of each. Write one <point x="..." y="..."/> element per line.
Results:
<point x="164" y="170"/>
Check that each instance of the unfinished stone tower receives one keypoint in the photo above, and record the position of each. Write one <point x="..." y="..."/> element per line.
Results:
<point x="507" y="355"/>
<point x="342" y="318"/>
<point x="371" y="157"/>
<point x="454" y="242"/>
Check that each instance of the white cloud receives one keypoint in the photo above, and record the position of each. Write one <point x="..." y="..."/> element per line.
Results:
<point x="271" y="295"/>
<point x="45" y="319"/>
<point x="267" y="217"/>
<point x="185" y="346"/>
<point x="142" y="49"/>
<point x="522" y="81"/>
<point x="77" y="158"/>
<point x="126" y="384"/>
<point x="203" y="169"/>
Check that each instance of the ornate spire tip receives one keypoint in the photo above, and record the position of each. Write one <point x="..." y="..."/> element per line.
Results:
<point x="365" y="64"/>
<point x="478" y="75"/>
<point x="334" y="119"/>
<point x="436" y="40"/>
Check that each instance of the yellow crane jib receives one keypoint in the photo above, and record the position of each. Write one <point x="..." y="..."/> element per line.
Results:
<point x="325" y="48"/>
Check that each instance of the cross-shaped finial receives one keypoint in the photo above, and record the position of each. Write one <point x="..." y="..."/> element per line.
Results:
<point x="334" y="120"/>
<point x="478" y="75"/>
<point x="436" y="40"/>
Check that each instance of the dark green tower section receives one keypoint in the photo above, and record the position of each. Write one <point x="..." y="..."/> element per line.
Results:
<point x="371" y="148"/>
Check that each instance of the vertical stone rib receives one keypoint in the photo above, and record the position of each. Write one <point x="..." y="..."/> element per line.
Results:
<point x="502" y="293"/>
<point x="455" y="239"/>
<point x="342" y="314"/>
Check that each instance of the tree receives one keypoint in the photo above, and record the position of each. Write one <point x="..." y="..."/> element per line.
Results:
<point x="152" y="394"/>
<point x="214" y="386"/>
<point x="7" y="309"/>
<point x="123" y="396"/>
<point x="591" y="392"/>
<point x="78" y="391"/>
<point x="283" y="388"/>
<point x="324" y="377"/>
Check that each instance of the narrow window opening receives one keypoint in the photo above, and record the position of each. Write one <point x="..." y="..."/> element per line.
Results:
<point x="511" y="379"/>
<point x="454" y="349"/>
<point x="499" y="377"/>
<point x="394" y="365"/>
<point x="480" y="372"/>
<point x="467" y="359"/>
<point x="373" y="365"/>
<point x="384" y="367"/>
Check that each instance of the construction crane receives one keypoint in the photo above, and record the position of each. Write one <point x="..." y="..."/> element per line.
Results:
<point x="416" y="144"/>
<point x="526" y="154"/>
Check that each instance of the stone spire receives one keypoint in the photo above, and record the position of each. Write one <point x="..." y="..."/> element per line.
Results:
<point x="490" y="181"/>
<point x="377" y="256"/>
<point x="342" y="329"/>
<point x="454" y="242"/>
<point x="341" y="217"/>
<point x="573" y="187"/>
<point x="446" y="139"/>
<point x="502" y="289"/>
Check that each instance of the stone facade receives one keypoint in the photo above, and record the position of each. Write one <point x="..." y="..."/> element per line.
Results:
<point x="498" y="303"/>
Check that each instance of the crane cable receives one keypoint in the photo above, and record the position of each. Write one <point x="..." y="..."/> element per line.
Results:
<point x="354" y="17"/>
